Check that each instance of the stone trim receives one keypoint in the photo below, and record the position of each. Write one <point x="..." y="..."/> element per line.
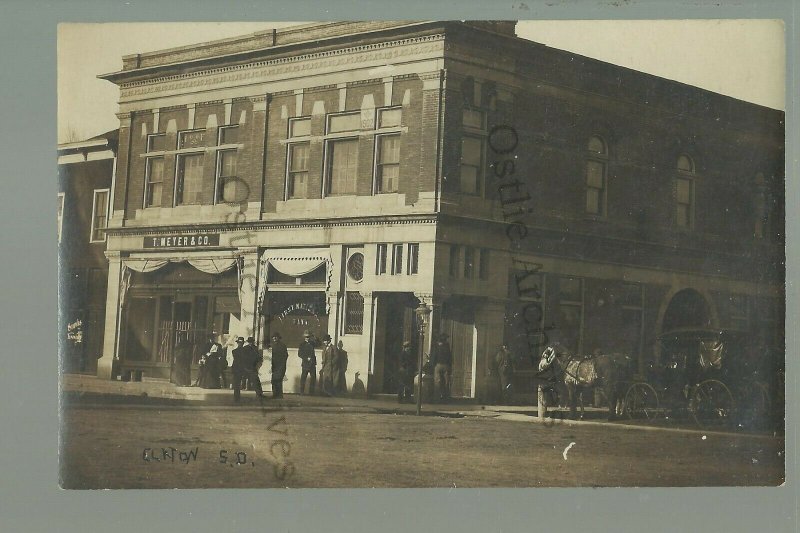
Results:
<point x="141" y="87"/>
<point x="261" y="225"/>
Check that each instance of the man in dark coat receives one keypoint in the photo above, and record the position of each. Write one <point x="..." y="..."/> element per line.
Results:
<point x="309" y="362"/>
<point x="405" y="372"/>
<point x="505" y="371"/>
<point x="329" y="355"/>
<point x="246" y="360"/>
<point x="442" y="361"/>
<point x="279" y="356"/>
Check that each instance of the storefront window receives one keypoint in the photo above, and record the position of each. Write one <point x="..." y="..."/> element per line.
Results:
<point x="292" y="313"/>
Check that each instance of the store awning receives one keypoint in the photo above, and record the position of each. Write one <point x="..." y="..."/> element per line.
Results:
<point x="207" y="265"/>
<point x="296" y="262"/>
<point x="293" y="262"/>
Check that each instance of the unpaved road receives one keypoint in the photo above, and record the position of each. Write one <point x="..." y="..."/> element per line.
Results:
<point x="121" y="447"/>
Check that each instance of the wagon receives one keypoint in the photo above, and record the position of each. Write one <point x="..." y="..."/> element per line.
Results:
<point x="715" y="377"/>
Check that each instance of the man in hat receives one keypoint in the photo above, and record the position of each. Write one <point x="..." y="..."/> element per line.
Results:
<point x="504" y="367"/>
<point x="246" y="361"/>
<point x="279" y="356"/>
<point x="405" y="372"/>
<point x="442" y="361"/>
<point x="329" y="356"/>
<point x="308" y="363"/>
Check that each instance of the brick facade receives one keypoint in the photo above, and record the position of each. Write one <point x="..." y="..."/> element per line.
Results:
<point x="534" y="111"/>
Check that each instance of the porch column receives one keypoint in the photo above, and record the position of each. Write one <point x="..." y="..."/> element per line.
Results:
<point x="333" y="304"/>
<point x="248" y="282"/>
<point x="113" y="315"/>
<point x="366" y="365"/>
<point x="489" y="322"/>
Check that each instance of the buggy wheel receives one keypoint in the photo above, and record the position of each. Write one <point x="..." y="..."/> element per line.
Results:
<point x="641" y="401"/>
<point x="711" y="403"/>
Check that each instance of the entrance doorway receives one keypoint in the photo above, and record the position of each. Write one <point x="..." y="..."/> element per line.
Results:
<point x="687" y="309"/>
<point x="395" y="322"/>
<point x="458" y="323"/>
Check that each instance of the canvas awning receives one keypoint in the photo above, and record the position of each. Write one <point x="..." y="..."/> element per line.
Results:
<point x="294" y="262"/>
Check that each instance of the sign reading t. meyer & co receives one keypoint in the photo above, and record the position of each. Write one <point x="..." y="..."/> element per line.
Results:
<point x="183" y="241"/>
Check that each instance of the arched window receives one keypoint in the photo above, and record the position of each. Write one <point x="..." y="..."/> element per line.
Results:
<point x="596" y="166"/>
<point x="684" y="192"/>
<point x="685" y="164"/>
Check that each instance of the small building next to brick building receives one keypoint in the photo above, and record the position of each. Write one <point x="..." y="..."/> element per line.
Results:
<point x="331" y="177"/>
<point x="85" y="175"/>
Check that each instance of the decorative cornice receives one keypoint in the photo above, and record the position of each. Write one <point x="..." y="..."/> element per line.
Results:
<point x="275" y="67"/>
<point x="266" y="225"/>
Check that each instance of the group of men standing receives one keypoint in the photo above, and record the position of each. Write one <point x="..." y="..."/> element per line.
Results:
<point x="247" y="360"/>
<point x="334" y="365"/>
<point x="440" y="363"/>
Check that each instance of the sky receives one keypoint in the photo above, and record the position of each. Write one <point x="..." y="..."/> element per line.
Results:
<point x="744" y="59"/>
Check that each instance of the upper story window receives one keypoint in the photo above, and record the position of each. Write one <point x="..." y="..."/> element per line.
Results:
<point x="189" y="184"/>
<point x="229" y="187"/>
<point x="380" y="259"/>
<point x="387" y="167"/>
<point x="341" y="163"/>
<point x="469" y="262"/>
<point x="472" y="152"/>
<point x="342" y="166"/>
<point x="157" y="142"/>
<point x="99" y="215"/>
<point x="413" y="258"/>
<point x="596" y="174"/>
<point x="389" y="118"/>
<point x="397" y="259"/>
<point x="387" y="151"/>
<point x="475" y="119"/>
<point x="344" y="122"/>
<point x="60" y="214"/>
<point x="297" y="158"/>
<point x="471" y="165"/>
<point x="684" y="192"/>
<point x="154" y="170"/>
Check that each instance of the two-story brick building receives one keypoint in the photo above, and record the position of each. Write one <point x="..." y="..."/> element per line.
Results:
<point x="85" y="175"/>
<point x="333" y="176"/>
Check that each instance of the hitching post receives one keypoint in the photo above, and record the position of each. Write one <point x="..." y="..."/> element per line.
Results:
<point x="541" y="408"/>
<point x="423" y="311"/>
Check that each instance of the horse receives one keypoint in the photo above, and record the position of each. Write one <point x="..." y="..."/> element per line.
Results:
<point x="579" y="374"/>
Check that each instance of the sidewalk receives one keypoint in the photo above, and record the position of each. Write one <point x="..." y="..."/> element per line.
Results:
<point x="89" y="390"/>
<point x="86" y="388"/>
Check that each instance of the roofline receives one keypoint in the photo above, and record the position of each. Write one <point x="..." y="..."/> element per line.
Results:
<point x="91" y="143"/>
<point x="117" y="76"/>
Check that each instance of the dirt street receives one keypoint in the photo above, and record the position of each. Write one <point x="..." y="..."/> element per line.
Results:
<point x="128" y="446"/>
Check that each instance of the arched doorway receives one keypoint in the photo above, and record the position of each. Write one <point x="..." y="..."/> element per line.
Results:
<point x="687" y="309"/>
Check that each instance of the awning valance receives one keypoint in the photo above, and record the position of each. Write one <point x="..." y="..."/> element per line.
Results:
<point x="296" y="262"/>
<point x="293" y="262"/>
<point x="207" y="265"/>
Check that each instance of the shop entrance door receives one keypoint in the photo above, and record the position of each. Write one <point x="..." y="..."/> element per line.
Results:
<point x="395" y="323"/>
<point x="458" y="323"/>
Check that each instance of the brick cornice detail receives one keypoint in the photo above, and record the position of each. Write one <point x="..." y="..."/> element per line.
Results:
<point x="266" y="225"/>
<point x="249" y="72"/>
